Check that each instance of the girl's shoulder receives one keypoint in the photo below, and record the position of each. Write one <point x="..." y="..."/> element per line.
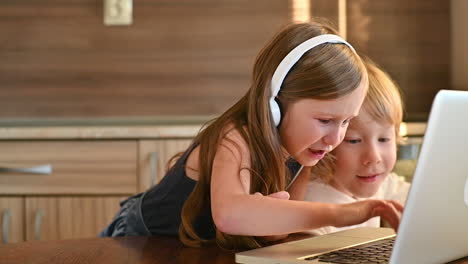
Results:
<point x="230" y="131"/>
<point x="233" y="140"/>
<point x="233" y="143"/>
<point x="233" y="156"/>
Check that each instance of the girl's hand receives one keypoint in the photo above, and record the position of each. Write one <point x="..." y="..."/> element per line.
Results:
<point x="358" y="212"/>
<point x="284" y="195"/>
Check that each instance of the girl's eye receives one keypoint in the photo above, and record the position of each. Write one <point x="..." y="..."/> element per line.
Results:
<point x="346" y="122"/>
<point x="383" y="140"/>
<point x="324" y="121"/>
<point x="352" y="141"/>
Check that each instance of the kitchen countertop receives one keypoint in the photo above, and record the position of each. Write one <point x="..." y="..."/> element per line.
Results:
<point x="102" y="128"/>
<point x="120" y="128"/>
<point x="107" y="121"/>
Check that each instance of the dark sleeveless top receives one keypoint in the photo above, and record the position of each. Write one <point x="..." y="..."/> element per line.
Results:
<point x="162" y="204"/>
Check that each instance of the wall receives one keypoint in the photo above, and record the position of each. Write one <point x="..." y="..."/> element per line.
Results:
<point x="178" y="57"/>
<point x="411" y="40"/>
<point x="459" y="39"/>
<point x="183" y="57"/>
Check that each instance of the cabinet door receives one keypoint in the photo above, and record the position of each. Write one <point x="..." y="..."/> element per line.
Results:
<point x="153" y="158"/>
<point x="68" y="167"/>
<point x="51" y="218"/>
<point x="11" y="219"/>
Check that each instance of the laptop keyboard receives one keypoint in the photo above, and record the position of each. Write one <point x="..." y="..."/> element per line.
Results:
<point x="374" y="252"/>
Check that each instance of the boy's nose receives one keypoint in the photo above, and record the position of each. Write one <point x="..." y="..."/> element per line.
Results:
<point x="371" y="156"/>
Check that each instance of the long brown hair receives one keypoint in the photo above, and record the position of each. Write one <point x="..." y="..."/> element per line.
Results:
<point x="328" y="71"/>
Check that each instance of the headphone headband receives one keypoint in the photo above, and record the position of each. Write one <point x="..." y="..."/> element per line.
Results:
<point x="288" y="62"/>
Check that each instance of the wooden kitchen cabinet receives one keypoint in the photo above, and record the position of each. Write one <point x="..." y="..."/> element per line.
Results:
<point x="52" y="218"/>
<point x="67" y="182"/>
<point x="154" y="156"/>
<point x="68" y="167"/>
<point x="11" y="219"/>
<point x="61" y="189"/>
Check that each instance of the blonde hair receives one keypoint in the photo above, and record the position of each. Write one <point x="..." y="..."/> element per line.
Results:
<point x="384" y="104"/>
<point x="328" y="71"/>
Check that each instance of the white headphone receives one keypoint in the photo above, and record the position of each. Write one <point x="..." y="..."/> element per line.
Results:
<point x="288" y="62"/>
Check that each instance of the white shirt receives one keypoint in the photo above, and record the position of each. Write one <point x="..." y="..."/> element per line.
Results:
<point x="394" y="187"/>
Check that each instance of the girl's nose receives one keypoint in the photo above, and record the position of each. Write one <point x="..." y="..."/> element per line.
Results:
<point x="334" y="137"/>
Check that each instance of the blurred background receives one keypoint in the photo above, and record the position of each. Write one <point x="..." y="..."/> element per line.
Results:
<point x="96" y="96"/>
<point x="193" y="58"/>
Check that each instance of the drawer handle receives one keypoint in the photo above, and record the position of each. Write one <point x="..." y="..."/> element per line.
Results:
<point x="41" y="169"/>
<point x="153" y="166"/>
<point x="6" y="217"/>
<point x="38" y="224"/>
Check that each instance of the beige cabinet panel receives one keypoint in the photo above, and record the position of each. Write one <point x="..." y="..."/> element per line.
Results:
<point x="11" y="219"/>
<point x="50" y="218"/>
<point x="153" y="158"/>
<point x="75" y="167"/>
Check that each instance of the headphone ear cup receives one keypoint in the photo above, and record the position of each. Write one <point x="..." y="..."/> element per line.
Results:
<point x="275" y="111"/>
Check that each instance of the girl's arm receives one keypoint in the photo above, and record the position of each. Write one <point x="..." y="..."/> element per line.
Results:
<point x="235" y="211"/>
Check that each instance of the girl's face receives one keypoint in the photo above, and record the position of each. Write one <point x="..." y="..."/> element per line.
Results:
<point x="310" y="128"/>
<point x="366" y="156"/>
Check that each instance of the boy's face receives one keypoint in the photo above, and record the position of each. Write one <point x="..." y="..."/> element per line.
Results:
<point x="366" y="156"/>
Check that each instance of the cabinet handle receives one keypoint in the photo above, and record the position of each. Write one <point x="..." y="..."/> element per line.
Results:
<point x="38" y="224"/>
<point x="153" y="156"/>
<point x="41" y="169"/>
<point x="6" y="217"/>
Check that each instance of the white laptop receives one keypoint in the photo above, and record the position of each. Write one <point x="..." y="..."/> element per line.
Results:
<point x="434" y="225"/>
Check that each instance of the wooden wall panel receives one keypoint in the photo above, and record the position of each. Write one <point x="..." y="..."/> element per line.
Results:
<point x="410" y="40"/>
<point x="325" y="9"/>
<point x="179" y="57"/>
<point x="459" y="42"/>
<point x="187" y="57"/>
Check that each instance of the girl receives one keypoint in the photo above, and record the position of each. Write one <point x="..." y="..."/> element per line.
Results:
<point x="363" y="162"/>
<point x="229" y="186"/>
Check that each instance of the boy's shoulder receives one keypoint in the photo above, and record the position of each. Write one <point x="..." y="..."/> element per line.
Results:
<point x="395" y="187"/>
<point x="319" y="191"/>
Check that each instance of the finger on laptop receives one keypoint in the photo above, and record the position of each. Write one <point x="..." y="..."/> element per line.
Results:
<point x="390" y="212"/>
<point x="397" y="205"/>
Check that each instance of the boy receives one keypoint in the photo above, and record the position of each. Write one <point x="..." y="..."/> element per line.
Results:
<point x="361" y="166"/>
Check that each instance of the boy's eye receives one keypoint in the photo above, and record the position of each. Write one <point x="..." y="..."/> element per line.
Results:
<point x="383" y="140"/>
<point x="352" y="141"/>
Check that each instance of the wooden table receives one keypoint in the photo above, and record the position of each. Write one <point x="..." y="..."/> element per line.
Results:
<point x="128" y="250"/>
